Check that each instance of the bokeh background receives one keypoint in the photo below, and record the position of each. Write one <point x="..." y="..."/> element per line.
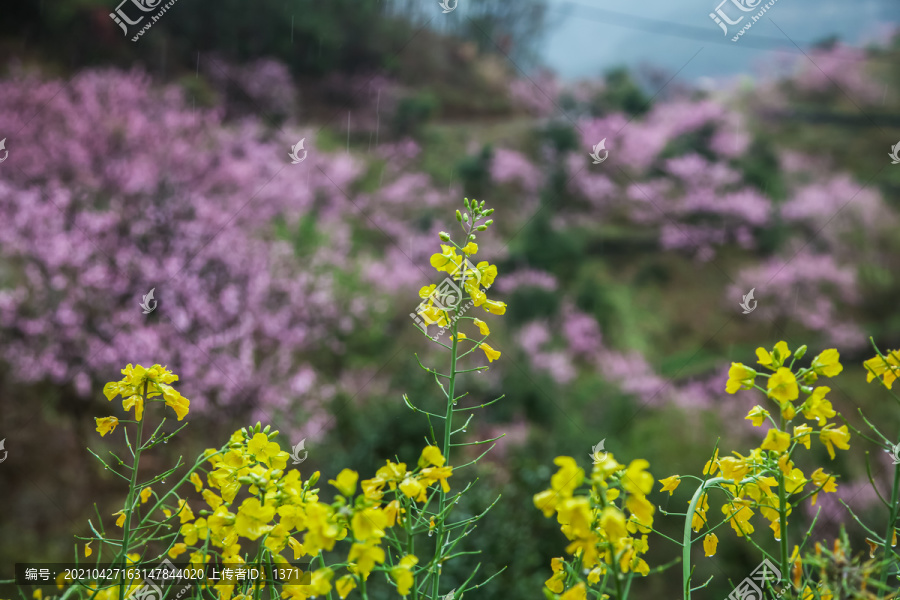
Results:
<point x="285" y="290"/>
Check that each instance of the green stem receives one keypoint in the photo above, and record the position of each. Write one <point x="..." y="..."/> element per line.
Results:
<point x="129" y="503"/>
<point x="448" y="428"/>
<point x="889" y="534"/>
<point x="322" y="564"/>
<point x="411" y="549"/>
<point x="782" y="519"/>
<point x="686" y="539"/>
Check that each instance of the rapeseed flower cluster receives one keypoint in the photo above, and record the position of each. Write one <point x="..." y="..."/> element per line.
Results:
<point x="286" y="514"/>
<point x="139" y="384"/>
<point x="440" y="300"/>
<point x="606" y="526"/>
<point x="766" y="479"/>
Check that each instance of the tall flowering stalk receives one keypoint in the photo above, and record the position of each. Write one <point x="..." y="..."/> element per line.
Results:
<point x="443" y="306"/>
<point x="767" y="480"/>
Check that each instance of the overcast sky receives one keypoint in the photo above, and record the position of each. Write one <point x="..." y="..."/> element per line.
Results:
<point x="590" y="36"/>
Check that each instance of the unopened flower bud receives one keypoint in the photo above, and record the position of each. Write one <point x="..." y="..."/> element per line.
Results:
<point x="489" y="222"/>
<point x="481" y="227"/>
<point x="314" y="478"/>
<point x="445" y="237"/>
<point x="466" y="218"/>
<point x="800" y="352"/>
<point x="489" y="212"/>
<point x="273" y="434"/>
<point x="246" y="480"/>
<point x="459" y="216"/>
<point x="466" y="202"/>
<point x="267" y="429"/>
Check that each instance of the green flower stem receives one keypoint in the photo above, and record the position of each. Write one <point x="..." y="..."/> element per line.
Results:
<point x="782" y="520"/>
<point x="889" y="534"/>
<point x="782" y="517"/>
<point x="448" y="426"/>
<point x="362" y="588"/>
<point x="129" y="504"/>
<point x="322" y="565"/>
<point x="686" y="540"/>
<point x="410" y="549"/>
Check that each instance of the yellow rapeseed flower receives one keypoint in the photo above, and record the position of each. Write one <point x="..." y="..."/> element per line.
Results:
<point x="369" y="524"/>
<point x="757" y="415"/>
<point x="491" y="354"/>
<point x="253" y="519"/>
<point x="670" y="483"/>
<point x="345" y="585"/>
<point x="839" y="437"/>
<point x="827" y="363"/>
<point x="365" y="556"/>
<point x="106" y="425"/>
<point x="636" y="480"/>
<point x="801" y="434"/>
<point x="710" y="543"/>
<point x="740" y="377"/>
<point x="482" y="327"/>
<point x="782" y="386"/>
<point x="887" y="368"/>
<point x="145" y="494"/>
<point x="817" y="406"/>
<point x="779" y="441"/>
<point x="447" y="260"/>
<point x="822" y="480"/>
<point x="776" y="358"/>
<point x="431" y="455"/>
<point x="494" y="307"/>
<point x="402" y="574"/>
<point x="579" y="592"/>
<point x="345" y="482"/>
<point x="177" y="550"/>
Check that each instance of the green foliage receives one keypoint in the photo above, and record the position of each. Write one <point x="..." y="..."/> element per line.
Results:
<point x="413" y="113"/>
<point x="622" y="93"/>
